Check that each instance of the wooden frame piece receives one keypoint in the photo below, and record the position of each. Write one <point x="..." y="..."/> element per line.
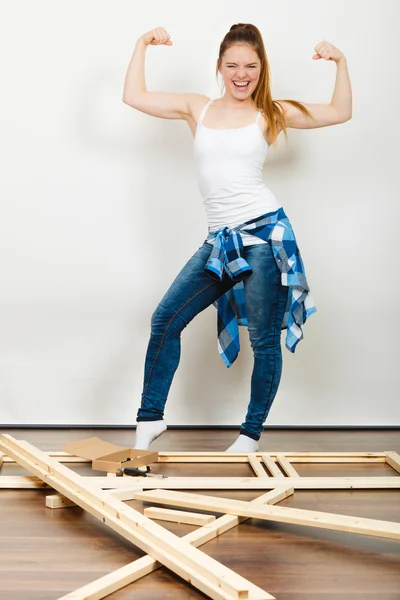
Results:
<point x="278" y="465"/>
<point x="271" y="466"/>
<point x="117" y="579"/>
<point x="294" y="457"/>
<point x="62" y="457"/>
<point x="286" y="466"/>
<point x="224" y="457"/>
<point x="297" y="516"/>
<point x="126" y="485"/>
<point x="256" y="466"/>
<point x="279" y="476"/>
<point x="202" y="571"/>
<point x="20" y="482"/>
<point x="177" y="516"/>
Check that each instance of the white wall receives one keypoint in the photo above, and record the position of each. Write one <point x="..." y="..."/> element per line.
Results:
<point x="100" y="209"/>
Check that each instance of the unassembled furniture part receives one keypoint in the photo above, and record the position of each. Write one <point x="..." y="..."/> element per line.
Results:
<point x="274" y="472"/>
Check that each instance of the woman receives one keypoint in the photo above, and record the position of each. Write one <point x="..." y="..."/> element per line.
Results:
<point x="250" y="265"/>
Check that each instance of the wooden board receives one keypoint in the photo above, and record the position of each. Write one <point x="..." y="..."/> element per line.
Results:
<point x="257" y="467"/>
<point x="205" y="573"/>
<point x="214" y="483"/>
<point x="373" y="527"/>
<point x="114" y="581"/>
<point x="178" y="516"/>
<point x="286" y="466"/>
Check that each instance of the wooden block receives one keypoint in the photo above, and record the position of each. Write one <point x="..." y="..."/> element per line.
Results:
<point x="393" y="459"/>
<point x="117" y="579"/>
<point x="178" y="516"/>
<point x="58" y="501"/>
<point x="286" y="466"/>
<point x="373" y="527"/>
<point x="205" y="573"/>
<point x="1" y="459"/>
<point x="256" y="466"/>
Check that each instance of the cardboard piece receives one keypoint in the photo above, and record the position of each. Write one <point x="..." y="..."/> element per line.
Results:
<point x="109" y="457"/>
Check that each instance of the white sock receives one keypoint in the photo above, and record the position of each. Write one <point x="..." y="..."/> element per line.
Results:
<point x="243" y="444"/>
<point x="147" y="432"/>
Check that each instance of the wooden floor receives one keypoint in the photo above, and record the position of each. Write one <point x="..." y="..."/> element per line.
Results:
<point x="46" y="553"/>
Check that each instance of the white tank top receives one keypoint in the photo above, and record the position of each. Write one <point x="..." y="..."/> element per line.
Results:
<point x="229" y="164"/>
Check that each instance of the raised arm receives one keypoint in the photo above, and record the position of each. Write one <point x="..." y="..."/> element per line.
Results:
<point x="339" y="110"/>
<point x="157" y="104"/>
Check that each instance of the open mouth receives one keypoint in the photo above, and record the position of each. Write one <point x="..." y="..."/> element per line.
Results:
<point x="242" y="85"/>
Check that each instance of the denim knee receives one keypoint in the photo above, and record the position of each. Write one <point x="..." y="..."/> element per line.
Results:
<point x="165" y="320"/>
<point x="263" y="342"/>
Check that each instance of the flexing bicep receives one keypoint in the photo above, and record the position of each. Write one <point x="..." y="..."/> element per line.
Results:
<point x="322" y="115"/>
<point x="163" y="104"/>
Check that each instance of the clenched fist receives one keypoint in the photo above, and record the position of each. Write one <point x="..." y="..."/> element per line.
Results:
<point x="327" y="51"/>
<point x="156" y="37"/>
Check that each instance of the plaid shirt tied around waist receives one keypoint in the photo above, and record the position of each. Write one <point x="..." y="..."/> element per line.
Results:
<point x="227" y="257"/>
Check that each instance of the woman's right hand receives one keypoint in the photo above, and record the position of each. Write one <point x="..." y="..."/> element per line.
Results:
<point x="156" y="37"/>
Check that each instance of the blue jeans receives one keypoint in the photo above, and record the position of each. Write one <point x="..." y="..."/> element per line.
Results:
<point x="194" y="290"/>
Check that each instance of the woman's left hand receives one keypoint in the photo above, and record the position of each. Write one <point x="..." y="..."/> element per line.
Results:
<point x="327" y="51"/>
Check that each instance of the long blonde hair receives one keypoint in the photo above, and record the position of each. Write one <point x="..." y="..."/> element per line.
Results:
<point x="272" y="111"/>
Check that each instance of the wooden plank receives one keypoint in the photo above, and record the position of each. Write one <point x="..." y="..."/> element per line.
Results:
<point x="1" y="459"/>
<point x="62" y="457"/>
<point x="299" y="483"/>
<point x="58" y="501"/>
<point x="294" y="459"/>
<point x="256" y="466"/>
<point x="221" y="457"/>
<point x="117" y="579"/>
<point x="179" y="556"/>
<point x="213" y="483"/>
<point x="19" y="482"/>
<point x="332" y="459"/>
<point x="197" y="568"/>
<point x="393" y="459"/>
<point x="178" y="516"/>
<point x="373" y="527"/>
<point x="286" y="466"/>
<point x="202" y="571"/>
<point x="248" y="483"/>
<point x="289" y="454"/>
<point x="270" y="464"/>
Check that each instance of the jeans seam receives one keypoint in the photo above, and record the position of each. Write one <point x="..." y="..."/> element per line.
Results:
<point x="146" y="385"/>
<point x="274" y="344"/>
<point x="274" y="353"/>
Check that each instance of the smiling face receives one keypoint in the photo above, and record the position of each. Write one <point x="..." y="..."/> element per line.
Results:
<point x="240" y="68"/>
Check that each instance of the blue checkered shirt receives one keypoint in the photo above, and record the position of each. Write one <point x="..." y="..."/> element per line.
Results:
<point x="227" y="256"/>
